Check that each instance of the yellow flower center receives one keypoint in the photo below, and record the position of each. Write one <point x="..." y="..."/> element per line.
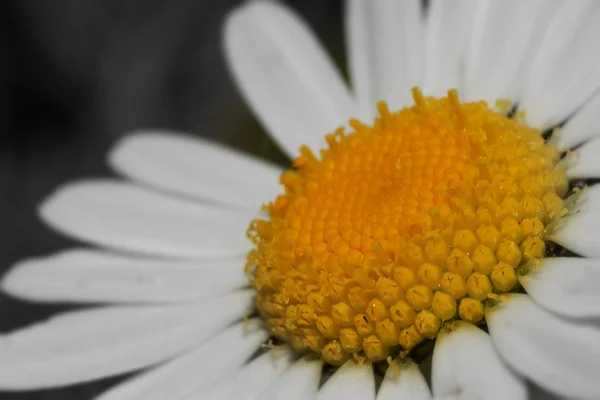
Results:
<point x="401" y="226"/>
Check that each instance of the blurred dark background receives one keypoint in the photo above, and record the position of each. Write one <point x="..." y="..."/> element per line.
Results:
<point x="75" y="75"/>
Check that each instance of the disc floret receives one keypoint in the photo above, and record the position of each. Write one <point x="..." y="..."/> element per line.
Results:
<point x="402" y="226"/>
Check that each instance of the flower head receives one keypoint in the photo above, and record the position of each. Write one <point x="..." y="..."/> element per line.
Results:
<point x="404" y="225"/>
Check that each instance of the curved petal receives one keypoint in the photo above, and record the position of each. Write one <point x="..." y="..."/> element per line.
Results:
<point x="567" y="286"/>
<point x="404" y="381"/>
<point x="449" y="26"/>
<point x="253" y="379"/>
<point x="300" y="382"/>
<point x="566" y="71"/>
<point x="589" y="199"/>
<point x="458" y="357"/>
<point x="588" y="162"/>
<point x="95" y="276"/>
<point x="214" y="360"/>
<point x="350" y="382"/>
<point x="497" y="54"/>
<point x="85" y="345"/>
<point x="130" y="218"/>
<point x="285" y="75"/>
<point x="197" y="168"/>
<point x="583" y="126"/>
<point x="580" y="232"/>
<point x="560" y="355"/>
<point x="384" y="40"/>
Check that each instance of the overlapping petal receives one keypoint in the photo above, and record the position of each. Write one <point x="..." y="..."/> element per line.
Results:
<point x="285" y="75"/>
<point x="90" y="344"/>
<point x="196" y="168"/>
<point x="214" y="360"/>
<point x="497" y="56"/>
<point x="566" y="285"/>
<point x="253" y="379"/>
<point x="352" y="381"/>
<point x="404" y="380"/>
<point x="127" y="217"/>
<point x="558" y="354"/>
<point x="385" y="58"/>
<point x="458" y="358"/>
<point x="299" y="382"/>
<point x="565" y="71"/>
<point x="89" y="276"/>
<point x="449" y="26"/>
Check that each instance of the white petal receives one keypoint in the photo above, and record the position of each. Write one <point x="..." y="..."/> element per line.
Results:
<point x="300" y="382"/>
<point x="126" y="217"/>
<point x="384" y="39"/>
<point x="253" y="379"/>
<point x="350" y="382"/>
<point x="95" y="276"/>
<point x="212" y="361"/>
<point x="560" y="355"/>
<point x="583" y="126"/>
<point x="404" y="381"/>
<point x="285" y="75"/>
<point x="504" y="34"/>
<point x="466" y="363"/>
<point x="566" y="71"/>
<point x="580" y="232"/>
<point x="85" y="345"/>
<point x="588" y="162"/>
<point x="449" y="26"/>
<point x="589" y="199"/>
<point x="196" y="167"/>
<point x="568" y="286"/>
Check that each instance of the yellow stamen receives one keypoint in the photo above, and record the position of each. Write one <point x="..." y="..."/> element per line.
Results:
<point x="402" y="225"/>
<point x="444" y="306"/>
<point x="471" y="310"/>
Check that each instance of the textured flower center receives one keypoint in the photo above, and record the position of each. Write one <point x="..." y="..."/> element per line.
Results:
<point x="401" y="226"/>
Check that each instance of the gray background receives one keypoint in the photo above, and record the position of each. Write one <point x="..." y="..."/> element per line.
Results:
<point x="75" y="75"/>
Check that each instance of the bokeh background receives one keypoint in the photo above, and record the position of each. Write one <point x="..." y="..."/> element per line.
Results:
<point x="76" y="75"/>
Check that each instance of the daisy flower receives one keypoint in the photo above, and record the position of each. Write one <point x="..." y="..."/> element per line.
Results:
<point x="430" y="224"/>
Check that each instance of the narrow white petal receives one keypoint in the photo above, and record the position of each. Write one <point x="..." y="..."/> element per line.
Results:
<point x="131" y="218"/>
<point x="404" y="381"/>
<point x="568" y="286"/>
<point x="583" y="126"/>
<point x="580" y="232"/>
<point x="589" y="199"/>
<point x="196" y="167"/>
<point x="285" y="75"/>
<point x="253" y="379"/>
<point x="466" y="363"/>
<point x="350" y="382"/>
<point x="214" y="360"/>
<point x="558" y="354"/>
<point x="566" y="70"/>
<point x="95" y="276"/>
<point x="505" y="34"/>
<point x="85" y="345"/>
<point x="384" y="40"/>
<point x="588" y="162"/>
<point x="449" y="25"/>
<point x="300" y="382"/>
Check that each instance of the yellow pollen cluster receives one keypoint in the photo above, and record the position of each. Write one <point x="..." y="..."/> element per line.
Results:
<point x="401" y="226"/>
